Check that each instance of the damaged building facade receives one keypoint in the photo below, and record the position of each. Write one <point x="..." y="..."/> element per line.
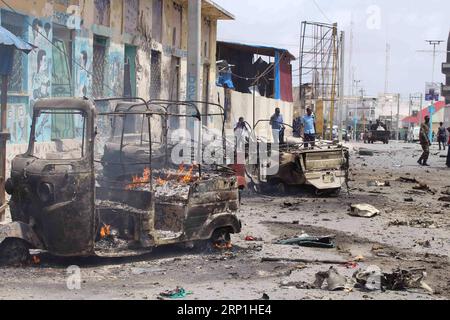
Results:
<point x="101" y="48"/>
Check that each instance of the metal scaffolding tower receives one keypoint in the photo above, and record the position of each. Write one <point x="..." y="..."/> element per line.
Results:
<point x="320" y="51"/>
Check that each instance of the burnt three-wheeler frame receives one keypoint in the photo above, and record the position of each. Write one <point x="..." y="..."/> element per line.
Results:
<point x="54" y="202"/>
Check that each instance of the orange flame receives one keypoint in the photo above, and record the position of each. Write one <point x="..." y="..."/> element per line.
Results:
<point x="105" y="231"/>
<point x="140" y="181"/>
<point x="161" y="182"/>
<point x="223" y="246"/>
<point x="188" y="177"/>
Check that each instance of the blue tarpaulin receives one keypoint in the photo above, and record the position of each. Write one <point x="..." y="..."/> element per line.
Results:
<point x="8" y="44"/>
<point x="225" y="79"/>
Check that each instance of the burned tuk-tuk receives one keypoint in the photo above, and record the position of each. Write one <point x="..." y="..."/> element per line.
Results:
<point x="323" y="165"/>
<point x="82" y="194"/>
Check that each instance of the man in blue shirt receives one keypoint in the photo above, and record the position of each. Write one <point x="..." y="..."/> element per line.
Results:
<point x="276" y="121"/>
<point x="309" y="128"/>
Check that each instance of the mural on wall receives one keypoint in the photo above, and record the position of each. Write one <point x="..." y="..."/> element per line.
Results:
<point x="102" y="12"/>
<point x="18" y="122"/>
<point x="83" y="67"/>
<point x="114" y="76"/>
<point x="40" y="66"/>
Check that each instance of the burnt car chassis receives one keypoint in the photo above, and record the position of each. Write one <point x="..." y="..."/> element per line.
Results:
<point x="324" y="166"/>
<point x="73" y="207"/>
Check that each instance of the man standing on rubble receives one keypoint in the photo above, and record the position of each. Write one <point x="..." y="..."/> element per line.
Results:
<point x="442" y="136"/>
<point x="276" y="121"/>
<point x="309" y="128"/>
<point x="424" y="138"/>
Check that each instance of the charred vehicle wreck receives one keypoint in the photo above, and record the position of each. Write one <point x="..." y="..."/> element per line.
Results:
<point x="325" y="166"/>
<point x="108" y="187"/>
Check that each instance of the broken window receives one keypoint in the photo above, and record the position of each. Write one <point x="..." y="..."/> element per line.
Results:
<point x="130" y="15"/>
<point x="68" y="133"/>
<point x="177" y="23"/>
<point x="62" y="62"/>
<point x="99" y="66"/>
<point x="157" y="13"/>
<point x="102" y="12"/>
<point x="15" y="24"/>
<point x="155" y="75"/>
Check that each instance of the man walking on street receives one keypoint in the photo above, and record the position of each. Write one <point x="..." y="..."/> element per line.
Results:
<point x="424" y="138"/>
<point x="442" y="136"/>
<point x="276" y="121"/>
<point x="448" y="153"/>
<point x="309" y="128"/>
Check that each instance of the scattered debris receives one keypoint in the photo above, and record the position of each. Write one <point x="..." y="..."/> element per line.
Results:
<point x="363" y="210"/>
<point x="407" y="180"/>
<point x="265" y="296"/>
<point x="177" y="293"/>
<point x="397" y="223"/>
<point x="405" y="279"/>
<point x="416" y="223"/>
<point x="445" y="199"/>
<point x="377" y="183"/>
<point x="334" y="280"/>
<point x="251" y="238"/>
<point x="365" y="152"/>
<point x="306" y="240"/>
<point x="351" y="265"/>
<point x="368" y="279"/>
<point x="271" y="259"/>
<point x="424" y="187"/>
<point x="298" y="284"/>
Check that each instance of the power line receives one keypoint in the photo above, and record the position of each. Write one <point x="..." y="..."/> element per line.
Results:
<point x="321" y="11"/>
<point x="59" y="49"/>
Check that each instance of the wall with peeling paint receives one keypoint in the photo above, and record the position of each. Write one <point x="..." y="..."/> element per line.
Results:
<point x="83" y="20"/>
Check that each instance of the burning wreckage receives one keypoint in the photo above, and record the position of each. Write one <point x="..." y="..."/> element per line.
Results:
<point x="110" y="188"/>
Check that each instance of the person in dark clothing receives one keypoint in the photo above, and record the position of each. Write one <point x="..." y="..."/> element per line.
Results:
<point x="424" y="137"/>
<point x="448" y="152"/>
<point x="442" y="136"/>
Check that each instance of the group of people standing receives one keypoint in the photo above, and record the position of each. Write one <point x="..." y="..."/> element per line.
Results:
<point x="304" y="126"/>
<point x="425" y="142"/>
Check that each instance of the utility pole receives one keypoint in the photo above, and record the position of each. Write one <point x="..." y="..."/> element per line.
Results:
<point x="194" y="63"/>
<point x="341" y="83"/>
<point x="434" y="43"/>
<point x="334" y="79"/>
<point x="431" y="108"/>
<point x="398" y="117"/>
<point x="386" y="71"/>
<point x="363" y="109"/>
<point x="355" y="84"/>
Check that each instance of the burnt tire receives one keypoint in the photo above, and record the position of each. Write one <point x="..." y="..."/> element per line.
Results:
<point x="14" y="252"/>
<point x="221" y="235"/>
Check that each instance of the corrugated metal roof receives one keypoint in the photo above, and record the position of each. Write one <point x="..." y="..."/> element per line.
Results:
<point x="257" y="49"/>
<point x="424" y="112"/>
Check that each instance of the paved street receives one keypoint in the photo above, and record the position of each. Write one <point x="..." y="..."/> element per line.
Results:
<point x="406" y="235"/>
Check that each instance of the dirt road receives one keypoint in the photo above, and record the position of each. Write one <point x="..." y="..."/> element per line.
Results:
<point x="407" y="235"/>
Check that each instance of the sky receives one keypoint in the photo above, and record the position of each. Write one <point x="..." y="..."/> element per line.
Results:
<point x="404" y="24"/>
